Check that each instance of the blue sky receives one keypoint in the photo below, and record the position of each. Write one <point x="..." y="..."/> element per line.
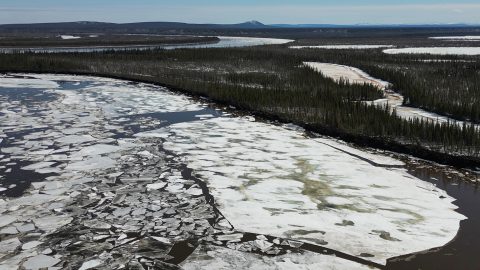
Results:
<point x="267" y="11"/>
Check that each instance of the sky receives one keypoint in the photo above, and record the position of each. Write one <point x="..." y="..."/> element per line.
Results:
<point x="229" y="11"/>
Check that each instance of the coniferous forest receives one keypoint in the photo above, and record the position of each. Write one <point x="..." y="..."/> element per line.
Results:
<point x="271" y="81"/>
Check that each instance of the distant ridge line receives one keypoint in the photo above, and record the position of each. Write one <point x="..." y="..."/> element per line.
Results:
<point x="178" y="27"/>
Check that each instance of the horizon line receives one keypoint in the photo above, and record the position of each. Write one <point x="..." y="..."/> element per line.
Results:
<point x="251" y="21"/>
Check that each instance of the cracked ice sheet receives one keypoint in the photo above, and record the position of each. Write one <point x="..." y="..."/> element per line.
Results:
<point x="270" y="179"/>
<point x="218" y="258"/>
<point x="146" y="98"/>
<point x="143" y="100"/>
<point x="376" y="158"/>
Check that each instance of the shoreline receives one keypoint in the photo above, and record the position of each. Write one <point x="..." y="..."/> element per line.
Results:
<point x="462" y="162"/>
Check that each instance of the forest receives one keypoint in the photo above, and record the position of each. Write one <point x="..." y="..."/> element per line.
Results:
<point x="272" y="82"/>
<point x="51" y="40"/>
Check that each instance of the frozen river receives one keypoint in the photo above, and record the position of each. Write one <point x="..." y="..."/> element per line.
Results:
<point x="98" y="172"/>
<point x="224" y="42"/>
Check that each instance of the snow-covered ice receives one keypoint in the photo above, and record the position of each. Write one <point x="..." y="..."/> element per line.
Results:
<point x="350" y="74"/>
<point x="230" y="42"/>
<point x="69" y="37"/>
<point x="40" y="262"/>
<point x="344" y="47"/>
<point x="458" y="38"/>
<point x="268" y="179"/>
<point x="436" y="50"/>
<point x="14" y="82"/>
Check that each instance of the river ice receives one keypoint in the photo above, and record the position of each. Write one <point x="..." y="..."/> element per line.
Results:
<point x="208" y="258"/>
<point x="69" y="37"/>
<point x="350" y="74"/>
<point x="228" y="42"/>
<point x="268" y="179"/>
<point x="109" y="164"/>
<point x="458" y="38"/>
<point x="343" y="47"/>
<point x="436" y="50"/>
<point x="224" y="42"/>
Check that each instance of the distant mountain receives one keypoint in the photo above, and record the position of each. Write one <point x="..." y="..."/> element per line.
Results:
<point x="307" y="25"/>
<point x="88" y="26"/>
<point x="185" y="28"/>
<point x="252" y="24"/>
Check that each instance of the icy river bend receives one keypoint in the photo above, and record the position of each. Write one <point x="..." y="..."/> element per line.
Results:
<point x="98" y="172"/>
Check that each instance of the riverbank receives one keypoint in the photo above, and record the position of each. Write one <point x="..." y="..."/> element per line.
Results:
<point x="361" y="141"/>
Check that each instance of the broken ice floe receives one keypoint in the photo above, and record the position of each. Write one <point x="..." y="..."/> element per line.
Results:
<point x="212" y="257"/>
<point x="98" y="187"/>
